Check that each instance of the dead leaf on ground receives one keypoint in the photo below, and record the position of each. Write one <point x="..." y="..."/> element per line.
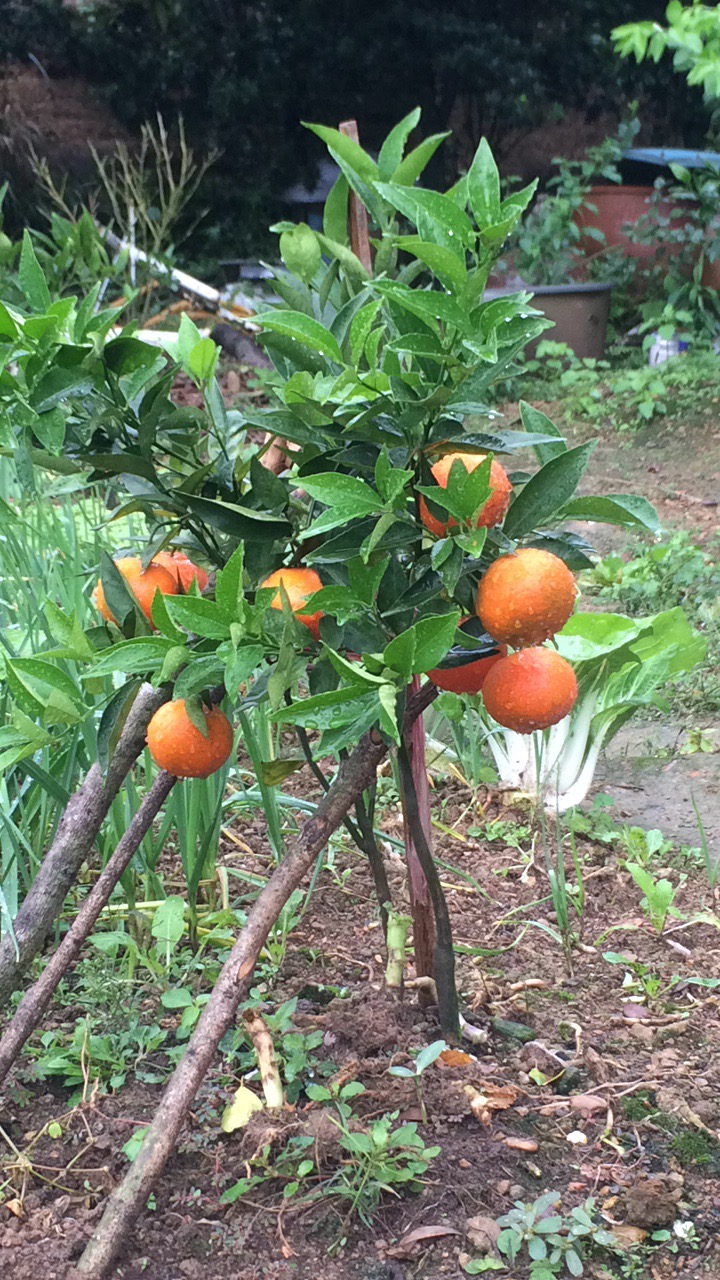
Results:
<point x="628" y="1237"/>
<point x="492" y="1097"/>
<point x="407" y="1246"/>
<point x="456" y="1058"/>
<point x="15" y="1207"/>
<point x="483" y="1233"/>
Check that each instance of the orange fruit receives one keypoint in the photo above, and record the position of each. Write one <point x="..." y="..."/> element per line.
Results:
<point x="183" y="570"/>
<point x="469" y="678"/>
<point x="142" y="584"/>
<point x="179" y="747"/>
<point x="531" y="689"/>
<point x="492" y="511"/>
<point x="299" y="585"/>
<point x="524" y="598"/>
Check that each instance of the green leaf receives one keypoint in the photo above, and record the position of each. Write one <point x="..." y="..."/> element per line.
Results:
<point x="346" y="497"/>
<point x="30" y="273"/>
<point x="202" y="673"/>
<point x="390" y="480"/>
<point x="357" y="166"/>
<point x="198" y="615"/>
<point x="139" y="656"/>
<point x="624" y="509"/>
<point x="229" y="585"/>
<point x="335" y="213"/>
<point x="589" y="637"/>
<point x="442" y="262"/>
<point x="59" y="384"/>
<point x="409" y="169"/>
<point x="203" y="359"/>
<point x="437" y="218"/>
<point x="130" y="464"/>
<point x="549" y="490"/>
<point x="240" y="522"/>
<point x="423" y="645"/>
<point x="42" y="690"/>
<point x="350" y="263"/>
<point x="68" y="632"/>
<point x="241" y="665"/>
<point x="308" y="710"/>
<point x="303" y="329"/>
<point x="537" y="423"/>
<point x="273" y="772"/>
<point x="164" y="623"/>
<point x="50" y="430"/>
<point x="112" y="721"/>
<point x="483" y="185"/>
<point x="300" y="251"/>
<point x="169" y="924"/>
<point x="392" y="149"/>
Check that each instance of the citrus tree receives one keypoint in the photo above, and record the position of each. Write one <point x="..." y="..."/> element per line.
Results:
<point x="395" y="544"/>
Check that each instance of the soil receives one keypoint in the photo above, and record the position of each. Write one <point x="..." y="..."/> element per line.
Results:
<point x="616" y="1096"/>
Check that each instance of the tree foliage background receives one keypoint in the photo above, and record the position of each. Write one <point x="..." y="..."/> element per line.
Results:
<point x="244" y="73"/>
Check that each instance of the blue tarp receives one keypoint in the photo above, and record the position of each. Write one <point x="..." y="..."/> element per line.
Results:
<point x="673" y="155"/>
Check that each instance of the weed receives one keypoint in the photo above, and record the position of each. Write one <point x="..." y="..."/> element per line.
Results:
<point x="658" y="895"/>
<point x="376" y="1159"/>
<point x="103" y="1055"/>
<point x="554" y="1241"/>
<point x="424" y="1059"/>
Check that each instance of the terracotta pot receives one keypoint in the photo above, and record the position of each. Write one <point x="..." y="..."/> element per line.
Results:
<point x="618" y="208"/>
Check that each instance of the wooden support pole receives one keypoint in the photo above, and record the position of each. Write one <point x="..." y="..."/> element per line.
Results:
<point x="359" y="234"/>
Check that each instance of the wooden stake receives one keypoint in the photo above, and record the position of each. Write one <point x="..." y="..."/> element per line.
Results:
<point x="359" y="235"/>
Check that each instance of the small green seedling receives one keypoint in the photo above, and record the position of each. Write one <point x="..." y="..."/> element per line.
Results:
<point x="552" y="1240"/>
<point x="659" y="894"/>
<point x="425" y="1059"/>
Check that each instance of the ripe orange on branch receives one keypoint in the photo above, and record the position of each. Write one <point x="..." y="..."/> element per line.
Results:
<point x="491" y="512"/>
<point x="468" y="678"/>
<point x="299" y="585"/>
<point x="531" y="689"/>
<point x="142" y="583"/>
<point x="178" y="746"/>
<point x="524" y="598"/>
<point x="182" y="568"/>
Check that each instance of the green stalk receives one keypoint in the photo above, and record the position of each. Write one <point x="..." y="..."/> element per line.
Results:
<point x="397" y="931"/>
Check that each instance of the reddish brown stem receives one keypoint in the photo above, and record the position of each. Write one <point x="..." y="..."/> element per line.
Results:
<point x="420" y="900"/>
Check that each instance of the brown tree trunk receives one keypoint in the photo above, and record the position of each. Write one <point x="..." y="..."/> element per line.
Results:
<point x="78" y="830"/>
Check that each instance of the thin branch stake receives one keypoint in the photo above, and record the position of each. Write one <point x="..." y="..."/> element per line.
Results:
<point x="77" y="832"/>
<point x="35" y="1001"/>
